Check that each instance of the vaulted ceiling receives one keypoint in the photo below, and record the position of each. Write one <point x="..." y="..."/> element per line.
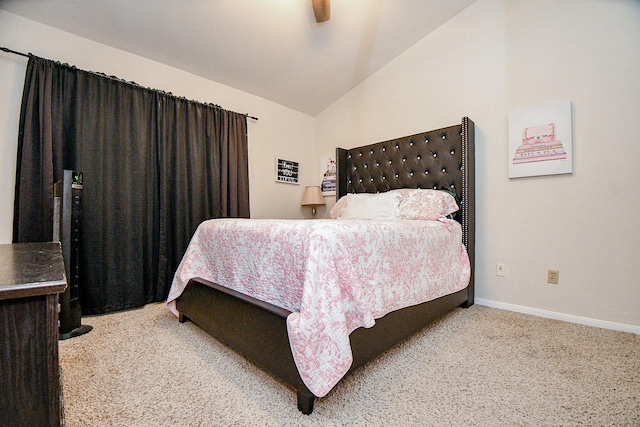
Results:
<point x="270" y="48"/>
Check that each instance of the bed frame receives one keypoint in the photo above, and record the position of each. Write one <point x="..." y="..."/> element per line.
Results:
<point x="439" y="159"/>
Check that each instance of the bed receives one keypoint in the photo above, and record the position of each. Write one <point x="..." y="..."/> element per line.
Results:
<point x="257" y="328"/>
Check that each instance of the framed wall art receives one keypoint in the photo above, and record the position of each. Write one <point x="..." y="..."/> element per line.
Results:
<point x="328" y="170"/>
<point x="287" y="171"/>
<point x="541" y="141"/>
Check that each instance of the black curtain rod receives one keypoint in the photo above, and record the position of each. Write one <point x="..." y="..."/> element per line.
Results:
<point x="5" y="49"/>
<point x="13" y="51"/>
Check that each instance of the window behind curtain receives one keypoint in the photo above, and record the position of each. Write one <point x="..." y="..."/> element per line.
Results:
<point x="154" y="167"/>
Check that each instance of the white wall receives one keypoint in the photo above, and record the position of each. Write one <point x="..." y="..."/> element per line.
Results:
<point x="278" y="132"/>
<point x="499" y="56"/>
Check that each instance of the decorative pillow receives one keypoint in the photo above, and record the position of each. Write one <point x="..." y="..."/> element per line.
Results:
<point x="338" y="208"/>
<point x="426" y="204"/>
<point x="369" y="206"/>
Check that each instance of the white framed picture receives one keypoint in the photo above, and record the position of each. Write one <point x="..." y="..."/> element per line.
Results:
<point x="541" y="141"/>
<point x="287" y="171"/>
<point x="328" y="170"/>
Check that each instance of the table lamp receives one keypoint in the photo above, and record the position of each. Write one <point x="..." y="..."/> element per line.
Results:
<point x="312" y="197"/>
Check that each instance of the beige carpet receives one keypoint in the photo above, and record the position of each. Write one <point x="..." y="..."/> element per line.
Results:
<point x="476" y="367"/>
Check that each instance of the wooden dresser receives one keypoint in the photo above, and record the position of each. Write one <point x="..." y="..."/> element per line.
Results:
<point x="31" y="276"/>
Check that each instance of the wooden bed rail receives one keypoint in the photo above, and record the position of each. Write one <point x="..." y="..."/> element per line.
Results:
<point x="258" y="330"/>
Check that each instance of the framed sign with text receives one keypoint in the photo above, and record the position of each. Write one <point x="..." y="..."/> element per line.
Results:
<point x="287" y="171"/>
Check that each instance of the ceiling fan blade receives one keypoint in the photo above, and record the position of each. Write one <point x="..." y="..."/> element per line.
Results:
<point x="322" y="10"/>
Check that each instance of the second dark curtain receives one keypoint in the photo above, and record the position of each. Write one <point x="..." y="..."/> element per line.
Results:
<point x="154" y="167"/>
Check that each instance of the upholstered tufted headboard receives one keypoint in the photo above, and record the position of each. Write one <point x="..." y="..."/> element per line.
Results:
<point x="440" y="159"/>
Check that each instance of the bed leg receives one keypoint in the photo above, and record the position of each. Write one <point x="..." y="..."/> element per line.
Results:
<point x="305" y="403"/>
<point x="182" y="318"/>
<point x="470" y="295"/>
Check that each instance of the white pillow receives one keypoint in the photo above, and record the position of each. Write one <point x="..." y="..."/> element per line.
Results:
<point x="372" y="206"/>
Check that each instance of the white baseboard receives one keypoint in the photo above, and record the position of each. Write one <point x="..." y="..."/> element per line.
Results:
<point x="560" y="316"/>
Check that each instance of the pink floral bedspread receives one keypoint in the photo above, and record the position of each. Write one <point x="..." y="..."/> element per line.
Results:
<point x="333" y="275"/>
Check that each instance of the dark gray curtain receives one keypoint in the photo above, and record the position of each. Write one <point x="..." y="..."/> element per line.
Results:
<point x="154" y="167"/>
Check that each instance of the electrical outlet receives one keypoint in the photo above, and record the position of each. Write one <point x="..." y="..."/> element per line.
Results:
<point x="553" y="276"/>
<point x="500" y="269"/>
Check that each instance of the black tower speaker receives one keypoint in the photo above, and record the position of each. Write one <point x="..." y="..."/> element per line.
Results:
<point x="67" y="214"/>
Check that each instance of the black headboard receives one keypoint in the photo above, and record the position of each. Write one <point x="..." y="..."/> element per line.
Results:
<point x="441" y="159"/>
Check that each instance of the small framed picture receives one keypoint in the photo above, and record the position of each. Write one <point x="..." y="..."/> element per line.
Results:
<point x="287" y="171"/>
<point x="328" y="170"/>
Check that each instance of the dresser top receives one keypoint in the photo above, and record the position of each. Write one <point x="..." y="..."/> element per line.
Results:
<point x="30" y="269"/>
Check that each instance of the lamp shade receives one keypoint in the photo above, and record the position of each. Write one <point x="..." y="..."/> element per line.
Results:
<point x="312" y="196"/>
